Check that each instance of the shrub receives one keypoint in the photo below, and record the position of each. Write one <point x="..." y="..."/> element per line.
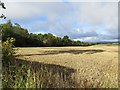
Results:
<point x="8" y="60"/>
<point x="8" y="51"/>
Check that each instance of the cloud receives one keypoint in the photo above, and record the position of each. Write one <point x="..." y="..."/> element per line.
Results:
<point x="60" y="0"/>
<point x="84" y="20"/>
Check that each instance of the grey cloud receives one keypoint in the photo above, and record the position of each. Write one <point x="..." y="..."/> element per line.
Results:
<point x="76" y="35"/>
<point x="62" y="16"/>
<point x="61" y="0"/>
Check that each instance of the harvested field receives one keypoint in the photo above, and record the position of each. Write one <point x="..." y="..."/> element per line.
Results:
<point x="96" y="66"/>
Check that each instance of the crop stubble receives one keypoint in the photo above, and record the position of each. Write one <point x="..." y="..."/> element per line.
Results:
<point x="95" y="65"/>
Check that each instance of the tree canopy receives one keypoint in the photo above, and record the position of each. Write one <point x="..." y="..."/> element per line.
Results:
<point x="24" y="39"/>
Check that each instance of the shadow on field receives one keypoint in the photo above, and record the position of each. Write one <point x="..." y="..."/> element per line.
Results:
<point x="53" y="52"/>
<point x="53" y="67"/>
<point x="48" y="75"/>
<point x="74" y="51"/>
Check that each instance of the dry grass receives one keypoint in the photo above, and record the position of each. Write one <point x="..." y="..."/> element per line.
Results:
<point x="96" y="66"/>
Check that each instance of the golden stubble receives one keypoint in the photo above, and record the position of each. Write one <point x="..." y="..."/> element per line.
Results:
<point x="95" y="64"/>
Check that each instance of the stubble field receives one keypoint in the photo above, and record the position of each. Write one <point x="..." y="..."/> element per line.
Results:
<point x="95" y="66"/>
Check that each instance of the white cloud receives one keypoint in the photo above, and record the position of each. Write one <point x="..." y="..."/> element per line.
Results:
<point x="78" y="30"/>
<point x="99" y="14"/>
<point x="78" y="20"/>
<point x="60" y="0"/>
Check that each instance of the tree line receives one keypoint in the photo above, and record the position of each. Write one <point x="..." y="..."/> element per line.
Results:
<point x="25" y="39"/>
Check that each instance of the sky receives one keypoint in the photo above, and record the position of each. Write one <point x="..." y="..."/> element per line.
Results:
<point x="94" y="21"/>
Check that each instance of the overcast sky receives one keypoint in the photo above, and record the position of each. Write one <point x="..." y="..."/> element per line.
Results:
<point x="84" y="21"/>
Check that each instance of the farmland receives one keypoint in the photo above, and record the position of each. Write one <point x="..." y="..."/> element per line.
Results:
<point x="94" y="66"/>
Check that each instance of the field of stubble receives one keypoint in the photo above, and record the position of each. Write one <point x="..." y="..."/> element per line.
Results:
<point x="96" y="66"/>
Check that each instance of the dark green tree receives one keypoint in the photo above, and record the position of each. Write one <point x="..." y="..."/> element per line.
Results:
<point x="24" y="38"/>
